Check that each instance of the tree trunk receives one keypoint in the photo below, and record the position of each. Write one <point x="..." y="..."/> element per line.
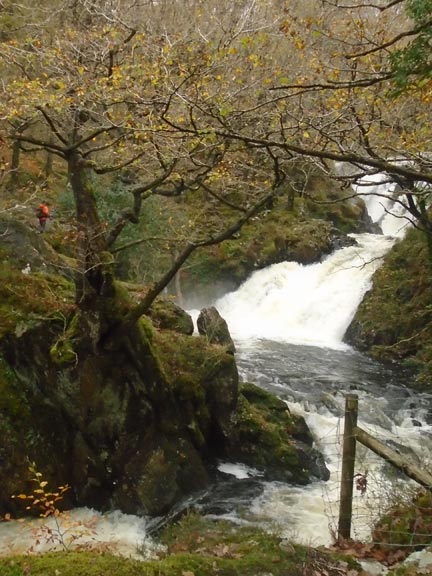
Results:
<point x="48" y="164"/>
<point x="94" y="278"/>
<point x="15" y="161"/>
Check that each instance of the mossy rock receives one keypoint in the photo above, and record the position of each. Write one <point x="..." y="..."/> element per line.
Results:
<point x="27" y="300"/>
<point x="394" y="320"/>
<point x="265" y="435"/>
<point x="166" y="315"/>
<point x="203" y="377"/>
<point x="155" y="481"/>
<point x="214" y="328"/>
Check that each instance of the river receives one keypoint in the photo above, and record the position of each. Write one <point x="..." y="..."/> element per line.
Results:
<point x="288" y="323"/>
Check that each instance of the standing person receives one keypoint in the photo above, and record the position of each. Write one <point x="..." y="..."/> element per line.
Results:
<point x="42" y="214"/>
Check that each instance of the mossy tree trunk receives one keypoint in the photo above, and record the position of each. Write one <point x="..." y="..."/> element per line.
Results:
<point x="93" y="279"/>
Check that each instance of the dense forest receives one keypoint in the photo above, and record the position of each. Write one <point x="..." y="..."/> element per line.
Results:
<point x="179" y="146"/>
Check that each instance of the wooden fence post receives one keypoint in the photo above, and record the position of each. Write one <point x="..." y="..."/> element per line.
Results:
<point x="348" y="462"/>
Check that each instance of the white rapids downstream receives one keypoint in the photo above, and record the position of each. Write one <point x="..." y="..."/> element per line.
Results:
<point x="288" y="323"/>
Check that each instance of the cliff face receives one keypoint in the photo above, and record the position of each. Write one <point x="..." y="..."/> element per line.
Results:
<point x="137" y="424"/>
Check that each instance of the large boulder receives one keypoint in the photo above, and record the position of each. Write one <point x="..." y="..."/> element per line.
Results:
<point x="211" y="325"/>
<point x="166" y="315"/>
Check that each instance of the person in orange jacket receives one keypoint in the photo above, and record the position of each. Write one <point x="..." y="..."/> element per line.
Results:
<point x="42" y="214"/>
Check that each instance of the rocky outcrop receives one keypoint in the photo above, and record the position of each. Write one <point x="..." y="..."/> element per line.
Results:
<point x="392" y="322"/>
<point x="166" y="315"/>
<point x="138" y="432"/>
<point x="136" y="421"/>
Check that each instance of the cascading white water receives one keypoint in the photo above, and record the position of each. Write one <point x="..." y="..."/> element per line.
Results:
<point x="310" y="307"/>
<point x="314" y="304"/>
<point x="381" y="202"/>
<point x="301" y="307"/>
<point x="305" y="304"/>
<point x="83" y="529"/>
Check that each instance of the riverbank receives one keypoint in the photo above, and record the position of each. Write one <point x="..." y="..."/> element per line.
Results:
<point x="197" y="546"/>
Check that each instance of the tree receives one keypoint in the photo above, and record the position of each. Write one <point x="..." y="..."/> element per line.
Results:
<point x="117" y="95"/>
<point x="183" y="101"/>
<point x="414" y="59"/>
<point x="342" y="102"/>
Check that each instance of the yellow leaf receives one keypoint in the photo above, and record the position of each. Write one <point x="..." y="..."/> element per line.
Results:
<point x="43" y="484"/>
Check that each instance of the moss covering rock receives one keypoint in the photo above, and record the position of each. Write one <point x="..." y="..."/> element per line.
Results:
<point x="265" y="435"/>
<point x="394" y="320"/>
<point x="211" y="325"/>
<point x="142" y="417"/>
<point x="165" y="314"/>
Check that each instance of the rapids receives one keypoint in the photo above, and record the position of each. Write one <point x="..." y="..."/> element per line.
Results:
<point x="288" y="323"/>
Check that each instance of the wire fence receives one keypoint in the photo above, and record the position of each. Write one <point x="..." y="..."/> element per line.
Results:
<point x="388" y="508"/>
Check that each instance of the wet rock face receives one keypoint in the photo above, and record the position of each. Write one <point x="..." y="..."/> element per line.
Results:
<point x="125" y="435"/>
<point x="117" y="426"/>
<point x="211" y="325"/>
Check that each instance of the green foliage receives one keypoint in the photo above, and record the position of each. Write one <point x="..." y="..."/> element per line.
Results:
<point x="406" y="525"/>
<point x="419" y="10"/>
<point x="158" y="224"/>
<point x="415" y="59"/>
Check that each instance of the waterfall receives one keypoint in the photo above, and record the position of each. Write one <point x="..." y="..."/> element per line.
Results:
<point x="305" y="304"/>
<point x="314" y="304"/>
<point x="288" y="322"/>
<point x="271" y="316"/>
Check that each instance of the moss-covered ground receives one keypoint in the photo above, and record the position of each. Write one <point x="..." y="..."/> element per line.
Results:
<point x="196" y="546"/>
<point x="28" y="299"/>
